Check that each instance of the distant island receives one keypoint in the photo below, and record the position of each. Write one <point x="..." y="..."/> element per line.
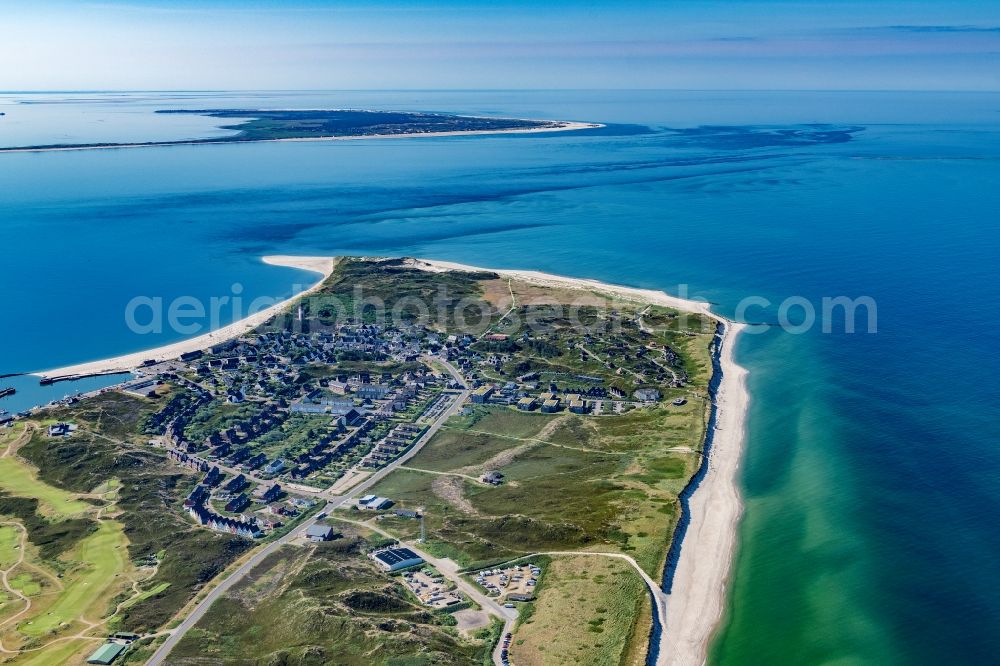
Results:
<point x="325" y="125"/>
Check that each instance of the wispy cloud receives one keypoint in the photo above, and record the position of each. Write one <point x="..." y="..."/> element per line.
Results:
<point x="948" y="29"/>
<point x="144" y="44"/>
<point x="854" y="42"/>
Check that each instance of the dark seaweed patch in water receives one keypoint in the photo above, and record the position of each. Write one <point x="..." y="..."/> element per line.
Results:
<point x="743" y="137"/>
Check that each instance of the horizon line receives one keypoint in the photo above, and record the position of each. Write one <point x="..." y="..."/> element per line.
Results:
<point x="50" y="91"/>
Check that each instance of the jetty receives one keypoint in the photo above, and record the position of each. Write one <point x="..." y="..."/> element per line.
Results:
<point x="45" y="381"/>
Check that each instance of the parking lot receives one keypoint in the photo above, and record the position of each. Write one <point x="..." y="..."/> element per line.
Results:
<point x="431" y="589"/>
<point x="518" y="580"/>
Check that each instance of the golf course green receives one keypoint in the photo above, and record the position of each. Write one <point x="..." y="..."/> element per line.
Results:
<point x="65" y="598"/>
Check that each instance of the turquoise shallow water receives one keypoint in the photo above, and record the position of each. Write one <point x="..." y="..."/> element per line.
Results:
<point x="872" y="474"/>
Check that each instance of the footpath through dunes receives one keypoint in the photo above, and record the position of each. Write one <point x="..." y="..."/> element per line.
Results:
<point x="62" y="563"/>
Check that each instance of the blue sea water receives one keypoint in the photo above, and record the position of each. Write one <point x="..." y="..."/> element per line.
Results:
<point x="872" y="471"/>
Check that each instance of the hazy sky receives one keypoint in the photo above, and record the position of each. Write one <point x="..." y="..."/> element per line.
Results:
<point x="303" y="44"/>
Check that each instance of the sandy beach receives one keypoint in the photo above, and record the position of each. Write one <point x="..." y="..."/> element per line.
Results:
<point x="695" y="606"/>
<point x="548" y="280"/>
<point x="697" y="602"/>
<point x="559" y="126"/>
<point x="320" y="265"/>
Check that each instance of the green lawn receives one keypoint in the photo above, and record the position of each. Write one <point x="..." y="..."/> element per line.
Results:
<point x="152" y="592"/>
<point x="10" y="539"/>
<point x="18" y="478"/>
<point x="26" y="584"/>
<point x="98" y="560"/>
<point x="59" y="653"/>
<point x="89" y="555"/>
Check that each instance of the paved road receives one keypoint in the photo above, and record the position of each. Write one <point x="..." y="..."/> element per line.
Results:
<point x="508" y="627"/>
<point x="237" y="575"/>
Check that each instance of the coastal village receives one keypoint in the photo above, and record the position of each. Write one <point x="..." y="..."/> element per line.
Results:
<point x="274" y="421"/>
<point x="280" y="425"/>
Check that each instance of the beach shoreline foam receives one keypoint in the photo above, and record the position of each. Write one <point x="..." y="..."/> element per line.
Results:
<point x="696" y="603"/>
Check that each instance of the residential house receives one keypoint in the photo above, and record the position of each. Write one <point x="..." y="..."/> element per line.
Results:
<point x="275" y="466"/>
<point x="526" y="404"/>
<point x="550" y="406"/>
<point x="236" y="484"/>
<point x="317" y="533"/>
<point x="482" y="394"/>
<point x="268" y="494"/>
<point x="238" y="503"/>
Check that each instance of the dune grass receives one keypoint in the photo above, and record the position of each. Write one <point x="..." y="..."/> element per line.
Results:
<point x="586" y="613"/>
<point x="142" y="596"/>
<point x="570" y="483"/>
<point x="10" y="541"/>
<point x="325" y="605"/>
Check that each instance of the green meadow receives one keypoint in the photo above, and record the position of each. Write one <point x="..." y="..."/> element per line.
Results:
<point x="10" y="545"/>
<point x="17" y="478"/>
<point x="585" y="612"/>
<point x="570" y="483"/>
